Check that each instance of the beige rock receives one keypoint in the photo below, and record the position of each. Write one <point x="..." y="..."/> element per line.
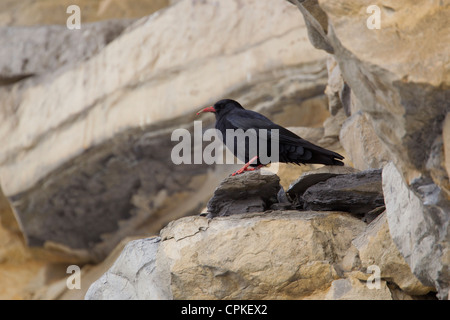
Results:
<point x="37" y="50"/>
<point x="311" y="112"/>
<point x="29" y="12"/>
<point x="100" y="128"/>
<point x="402" y="89"/>
<point x="112" y="98"/>
<point x="17" y="266"/>
<point x="317" y="22"/>
<point x="375" y="247"/>
<point x="391" y="76"/>
<point x="144" y="67"/>
<point x="361" y="143"/>
<point x="335" y="85"/>
<point x="255" y="256"/>
<point x="332" y="126"/>
<point x="355" y="289"/>
<point x="423" y="242"/>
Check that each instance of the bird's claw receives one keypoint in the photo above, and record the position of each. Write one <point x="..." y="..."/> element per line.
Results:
<point x="242" y="170"/>
<point x="246" y="167"/>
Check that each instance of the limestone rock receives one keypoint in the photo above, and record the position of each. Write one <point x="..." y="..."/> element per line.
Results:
<point x="132" y="275"/>
<point x="403" y="91"/>
<point x="253" y="191"/>
<point x="361" y="143"/>
<point x="354" y="289"/>
<point x="100" y="127"/>
<point x="358" y="193"/>
<point x="375" y="247"/>
<point x="317" y="23"/>
<point x="34" y="13"/>
<point x="255" y="256"/>
<point x="311" y="112"/>
<point x="43" y="49"/>
<point x="248" y="256"/>
<point x="332" y="127"/>
<point x="337" y="90"/>
<point x="419" y="229"/>
<point x="394" y="86"/>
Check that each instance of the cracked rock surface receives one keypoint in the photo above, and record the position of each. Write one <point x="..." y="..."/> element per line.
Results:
<point x="271" y="255"/>
<point x="275" y="255"/>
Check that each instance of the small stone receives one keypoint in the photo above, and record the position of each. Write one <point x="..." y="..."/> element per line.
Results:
<point x="310" y="178"/>
<point x="252" y="191"/>
<point x="356" y="193"/>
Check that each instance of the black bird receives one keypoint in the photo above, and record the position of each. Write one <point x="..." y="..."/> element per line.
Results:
<point x="292" y="148"/>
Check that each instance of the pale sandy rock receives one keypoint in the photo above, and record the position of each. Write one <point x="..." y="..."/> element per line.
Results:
<point x="317" y="22"/>
<point x="375" y="247"/>
<point x="355" y="289"/>
<point x="393" y="77"/>
<point x="100" y="128"/>
<point x="31" y="13"/>
<point x="332" y="126"/>
<point x="32" y="51"/>
<point x="311" y="112"/>
<point x="101" y="98"/>
<point x="260" y="256"/>
<point x="402" y="89"/>
<point x="132" y="275"/>
<point x="337" y="90"/>
<point x="361" y="143"/>
<point x="422" y="241"/>
<point x="255" y="256"/>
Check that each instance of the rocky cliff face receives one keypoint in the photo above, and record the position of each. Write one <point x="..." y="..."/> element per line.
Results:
<point x="398" y="78"/>
<point x="85" y="158"/>
<point x="270" y="253"/>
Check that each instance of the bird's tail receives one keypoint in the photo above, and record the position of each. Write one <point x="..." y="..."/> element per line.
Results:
<point x="324" y="156"/>
<point x="330" y="160"/>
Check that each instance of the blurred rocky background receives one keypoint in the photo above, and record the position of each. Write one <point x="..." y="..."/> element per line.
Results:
<point x="85" y="166"/>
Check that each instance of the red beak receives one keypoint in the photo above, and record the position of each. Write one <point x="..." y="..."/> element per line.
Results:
<point x="208" y="109"/>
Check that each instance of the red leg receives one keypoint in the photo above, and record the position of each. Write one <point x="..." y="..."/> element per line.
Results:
<point x="253" y="169"/>
<point x="245" y="167"/>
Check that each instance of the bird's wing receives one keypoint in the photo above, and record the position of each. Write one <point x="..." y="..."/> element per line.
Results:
<point x="253" y="120"/>
<point x="247" y="119"/>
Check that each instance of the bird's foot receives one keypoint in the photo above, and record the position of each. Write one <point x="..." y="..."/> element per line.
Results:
<point x="246" y="167"/>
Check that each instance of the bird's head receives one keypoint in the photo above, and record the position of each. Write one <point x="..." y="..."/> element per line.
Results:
<point x="221" y="107"/>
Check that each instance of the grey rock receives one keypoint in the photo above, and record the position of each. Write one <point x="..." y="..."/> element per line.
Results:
<point x="356" y="193"/>
<point x="362" y="145"/>
<point x="310" y="178"/>
<point x="133" y="275"/>
<point x="375" y="246"/>
<point x="36" y="50"/>
<point x="317" y="23"/>
<point x="282" y="197"/>
<point x="247" y="192"/>
<point x="108" y="192"/>
<point x="418" y="223"/>
<point x="104" y="169"/>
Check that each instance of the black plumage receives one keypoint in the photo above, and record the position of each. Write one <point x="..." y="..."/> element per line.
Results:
<point x="292" y="148"/>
